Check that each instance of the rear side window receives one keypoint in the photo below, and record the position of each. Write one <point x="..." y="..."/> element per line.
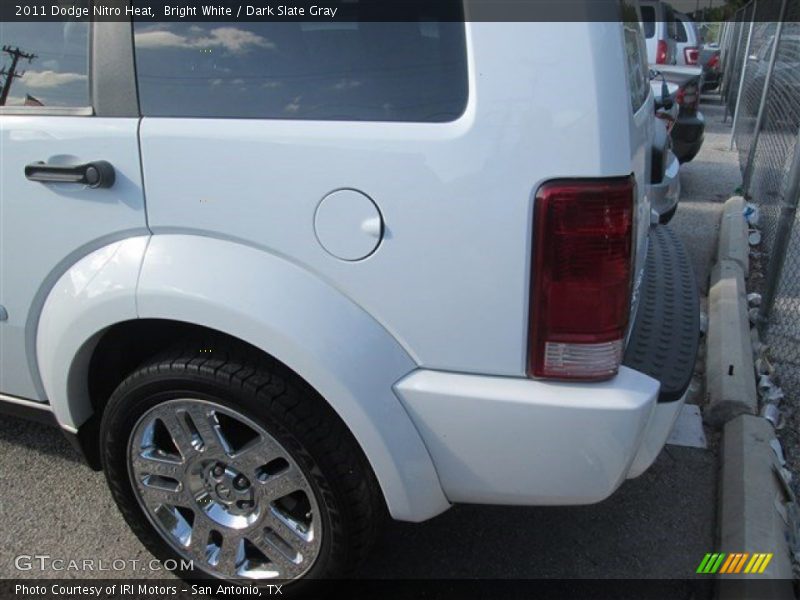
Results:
<point x="44" y="64"/>
<point x="671" y="22"/>
<point x="636" y="57"/>
<point x="680" y="27"/>
<point x="360" y="71"/>
<point x="649" y="21"/>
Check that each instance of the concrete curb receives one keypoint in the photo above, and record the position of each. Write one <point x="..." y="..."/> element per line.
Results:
<point x="730" y="376"/>
<point x="753" y="514"/>
<point x="733" y="243"/>
<point x="753" y="497"/>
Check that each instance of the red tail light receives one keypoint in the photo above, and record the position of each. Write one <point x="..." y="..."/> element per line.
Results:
<point x="691" y="55"/>
<point x="581" y="280"/>
<point x="661" y="52"/>
<point x="713" y="62"/>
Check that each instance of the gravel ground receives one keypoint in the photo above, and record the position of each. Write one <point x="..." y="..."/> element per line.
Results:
<point x="657" y="526"/>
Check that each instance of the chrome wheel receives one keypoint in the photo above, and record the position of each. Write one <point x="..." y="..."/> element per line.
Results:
<point x="223" y="492"/>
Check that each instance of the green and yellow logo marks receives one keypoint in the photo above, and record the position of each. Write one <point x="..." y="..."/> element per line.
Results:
<point x="734" y="562"/>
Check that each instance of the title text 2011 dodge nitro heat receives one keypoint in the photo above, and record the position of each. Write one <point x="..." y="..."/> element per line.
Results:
<point x="277" y="279"/>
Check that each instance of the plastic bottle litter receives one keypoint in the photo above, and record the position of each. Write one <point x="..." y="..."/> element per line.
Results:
<point x="778" y="450"/>
<point x="754" y="237"/>
<point x="754" y="299"/>
<point x="751" y="213"/>
<point x="774" y="395"/>
<point x="772" y="414"/>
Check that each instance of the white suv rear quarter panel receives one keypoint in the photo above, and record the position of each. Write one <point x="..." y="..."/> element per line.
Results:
<point x="450" y="279"/>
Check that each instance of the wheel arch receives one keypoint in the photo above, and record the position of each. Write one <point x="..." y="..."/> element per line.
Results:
<point x="283" y="310"/>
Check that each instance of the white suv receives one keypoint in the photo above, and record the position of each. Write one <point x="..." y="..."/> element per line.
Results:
<point x="661" y="32"/>
<point x="279" y="279"/>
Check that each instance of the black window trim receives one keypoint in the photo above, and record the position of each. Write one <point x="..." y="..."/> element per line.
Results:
<point x="112" y="80"/>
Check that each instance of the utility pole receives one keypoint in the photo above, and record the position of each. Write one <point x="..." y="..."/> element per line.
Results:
<point x="12" y="73"/>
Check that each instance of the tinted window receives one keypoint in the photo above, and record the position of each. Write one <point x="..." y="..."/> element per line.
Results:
<point x="307" y="70"/>
<point x="44" y="64"/>
<point x="649" y="21"/>
<point x="681" y="31"/>
<point x="672" y="24"/>
<point x="636" y="56"/>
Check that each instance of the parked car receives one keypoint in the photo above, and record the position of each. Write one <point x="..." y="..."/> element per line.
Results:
<point x="378" y="270"/>
<point x="712" y="69"/>
<point x="660" y="30"/>
<point x="688" y="132"/>
<point x="687" y="51"/>
<point x="665" y="183"/>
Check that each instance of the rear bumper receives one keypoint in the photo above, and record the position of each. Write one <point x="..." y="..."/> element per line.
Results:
<point x="499" y="440"/>
<point x="687" y="136"/>
<point x="711" y="80"/>
<point x="664" y="195"/>
<point x="655" y="436"/>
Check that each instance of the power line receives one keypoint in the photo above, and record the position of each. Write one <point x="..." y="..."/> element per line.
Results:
<point x="16" y="54"/>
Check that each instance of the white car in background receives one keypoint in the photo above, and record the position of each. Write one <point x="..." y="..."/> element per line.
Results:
<point x="688" y="40"/>
<point x="660" y="31"/>
<point x="381" y="268"/>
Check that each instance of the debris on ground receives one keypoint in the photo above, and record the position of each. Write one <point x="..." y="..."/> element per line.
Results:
<point x="751" y="214"/>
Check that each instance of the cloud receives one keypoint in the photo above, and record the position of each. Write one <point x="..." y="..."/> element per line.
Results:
<point x="346" y="84"/>
<point x="161" y="39"/>
<point x="50" y="79"/>
<point x="236" y="40"/>
<point x="232" y="39"/>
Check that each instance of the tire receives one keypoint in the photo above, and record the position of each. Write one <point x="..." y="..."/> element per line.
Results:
<point x="667" y="216"/>
<point x="336" y="516"/>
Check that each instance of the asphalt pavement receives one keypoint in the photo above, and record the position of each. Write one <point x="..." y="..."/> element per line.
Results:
<point x="657" y="526"/>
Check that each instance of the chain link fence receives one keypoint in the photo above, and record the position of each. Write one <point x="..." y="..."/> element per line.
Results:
<point x="761" y="65"/>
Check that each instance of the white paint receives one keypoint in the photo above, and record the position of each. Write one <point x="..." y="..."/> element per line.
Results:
<point x="658" y="429"/>
<point x="450" y="278"/>
<point x="514" y="441"/>
<point x="304" y="322"/>
<point x="47" y="228"/>
<point x="97" y="292"/>
<point x="348" y="224"/>
<point x="231" y="204"/>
